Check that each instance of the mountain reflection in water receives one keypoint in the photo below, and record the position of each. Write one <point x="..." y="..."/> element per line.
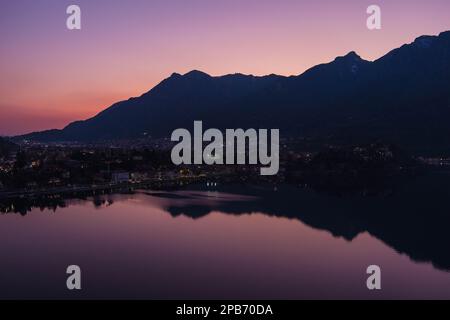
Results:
<point x="229" y="244"/>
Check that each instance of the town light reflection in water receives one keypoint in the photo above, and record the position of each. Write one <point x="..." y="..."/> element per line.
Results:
<point x="182" y="245"/>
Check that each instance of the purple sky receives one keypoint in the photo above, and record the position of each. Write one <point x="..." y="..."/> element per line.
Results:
<point x="51" y="76"/>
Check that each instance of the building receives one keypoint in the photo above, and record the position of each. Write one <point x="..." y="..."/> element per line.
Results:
<point x="120" y="177"/>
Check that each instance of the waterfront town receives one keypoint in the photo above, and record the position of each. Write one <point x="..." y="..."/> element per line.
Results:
<point x="32" y="170"/>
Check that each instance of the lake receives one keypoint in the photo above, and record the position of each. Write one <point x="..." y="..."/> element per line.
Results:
<point x="233" y="242"/>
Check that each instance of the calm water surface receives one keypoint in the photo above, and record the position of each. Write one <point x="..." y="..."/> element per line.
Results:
<point x="237" y="242"/>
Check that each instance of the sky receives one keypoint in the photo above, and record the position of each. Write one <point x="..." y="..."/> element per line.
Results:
<point x="51" y="76"/>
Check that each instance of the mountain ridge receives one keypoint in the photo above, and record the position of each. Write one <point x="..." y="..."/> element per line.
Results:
<point x="342" y="99"/>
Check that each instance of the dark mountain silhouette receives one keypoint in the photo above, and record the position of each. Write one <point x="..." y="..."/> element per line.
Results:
<point x="412" y="218"/>
<point x="6" y="147"/>
<point x="403" y="97"/>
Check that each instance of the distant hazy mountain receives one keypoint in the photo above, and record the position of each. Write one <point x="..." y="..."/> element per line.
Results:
<point x="403" y="97"/>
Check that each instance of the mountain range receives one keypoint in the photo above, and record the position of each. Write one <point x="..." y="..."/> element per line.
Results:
<point x="402" y="97"/>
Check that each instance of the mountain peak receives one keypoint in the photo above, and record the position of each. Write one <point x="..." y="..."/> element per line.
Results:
<point x="196" y="74"/>
<point x="352" y="56"/>
<point x="175" y="75"/>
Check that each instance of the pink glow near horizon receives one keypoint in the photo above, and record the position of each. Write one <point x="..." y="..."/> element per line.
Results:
<point x="52" y="76"/>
